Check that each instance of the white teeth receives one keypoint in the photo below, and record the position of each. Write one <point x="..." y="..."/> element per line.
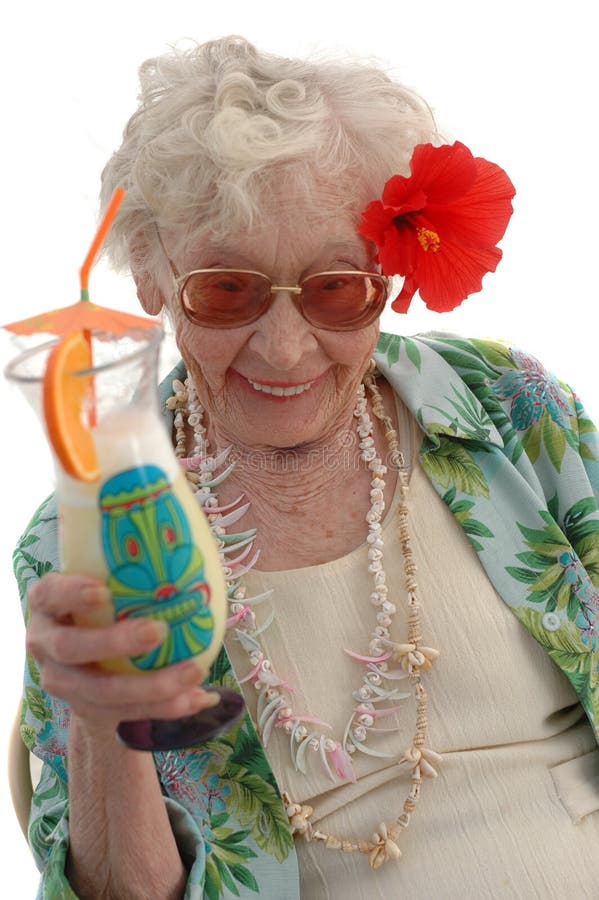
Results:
<point x="281" y="391"/>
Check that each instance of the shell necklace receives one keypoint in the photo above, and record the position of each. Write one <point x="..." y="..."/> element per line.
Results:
<point x="379" y="680"/>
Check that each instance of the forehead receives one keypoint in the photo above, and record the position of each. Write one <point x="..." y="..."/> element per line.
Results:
<point x="284" y="246"/>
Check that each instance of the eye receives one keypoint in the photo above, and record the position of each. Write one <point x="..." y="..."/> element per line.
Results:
<point x="334" y="284"/>
<point x="230" y="286"/>
<point x="225" y="281"/>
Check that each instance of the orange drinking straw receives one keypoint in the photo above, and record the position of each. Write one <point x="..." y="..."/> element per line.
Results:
<point x="110" y="213"/>
<point x="107" y="219"/>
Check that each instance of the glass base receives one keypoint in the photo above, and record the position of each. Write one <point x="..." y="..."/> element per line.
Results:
<point x="177" y="734"/>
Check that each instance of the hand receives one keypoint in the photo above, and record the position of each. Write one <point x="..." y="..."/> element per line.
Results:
<point x="69" y="655"/>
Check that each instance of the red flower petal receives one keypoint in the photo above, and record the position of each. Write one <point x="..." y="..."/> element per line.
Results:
<point x="399" y="253"/>
<point x="481" y="216"/>
<point x="446" y="278"/>
<point x="401" y="195"/>
<point x="439" y="227"/>
<point x="376" y="222"/>
<point x="444" y="173"/>
<point x="404" y="298"/>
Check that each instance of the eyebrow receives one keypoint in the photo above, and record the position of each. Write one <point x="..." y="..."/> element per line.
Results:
<point x="333" y="251"/>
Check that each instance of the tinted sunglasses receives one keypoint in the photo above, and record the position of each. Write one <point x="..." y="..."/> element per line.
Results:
<point x="231" y="298"/>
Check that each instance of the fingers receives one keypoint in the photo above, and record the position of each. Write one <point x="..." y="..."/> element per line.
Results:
<point x="74" y="645"/>
<point x="62" y="595"/>
<point x="55" y="599"/>
<point x="96" y="694"/>
<point x="69" y="657"/>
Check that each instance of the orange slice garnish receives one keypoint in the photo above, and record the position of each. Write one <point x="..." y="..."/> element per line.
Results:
<point x="64" y="394"/>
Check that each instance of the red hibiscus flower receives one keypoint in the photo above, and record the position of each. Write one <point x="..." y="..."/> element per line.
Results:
<point x="439" y="227"/>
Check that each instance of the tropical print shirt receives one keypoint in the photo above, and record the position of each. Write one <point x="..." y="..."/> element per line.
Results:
<point x="511" y="452"/>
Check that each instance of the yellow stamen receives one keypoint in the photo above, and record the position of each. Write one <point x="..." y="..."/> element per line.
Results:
<point x="429" y="240"/>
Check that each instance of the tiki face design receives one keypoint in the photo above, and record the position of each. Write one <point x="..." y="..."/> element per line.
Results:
<point x="154" y="568"/>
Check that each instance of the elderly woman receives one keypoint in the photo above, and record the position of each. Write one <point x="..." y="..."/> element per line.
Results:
<point x="421" y="541"/>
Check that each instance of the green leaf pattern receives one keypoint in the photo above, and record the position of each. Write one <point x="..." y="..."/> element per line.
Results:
<point x="553" y="450"/>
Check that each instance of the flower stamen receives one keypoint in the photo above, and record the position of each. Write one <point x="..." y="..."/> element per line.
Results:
<point x="428" y="240"/>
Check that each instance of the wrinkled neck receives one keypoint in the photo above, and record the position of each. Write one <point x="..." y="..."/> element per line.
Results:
<point x="292" y="478"/>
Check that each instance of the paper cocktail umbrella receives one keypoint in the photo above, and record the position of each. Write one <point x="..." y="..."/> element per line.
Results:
<point x="85" y="315"/>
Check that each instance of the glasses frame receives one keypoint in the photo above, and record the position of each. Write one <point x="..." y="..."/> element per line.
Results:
<point x="294" y="289"/>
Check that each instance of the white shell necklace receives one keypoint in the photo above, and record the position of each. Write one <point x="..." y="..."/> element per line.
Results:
<point x="379" y="686"/>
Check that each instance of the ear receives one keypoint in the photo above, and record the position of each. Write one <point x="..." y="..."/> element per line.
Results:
<point x="148" y="292"/>
<point x="148" y="289"/>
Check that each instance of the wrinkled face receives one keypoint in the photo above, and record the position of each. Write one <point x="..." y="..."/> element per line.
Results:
<point x="280" y="349"/>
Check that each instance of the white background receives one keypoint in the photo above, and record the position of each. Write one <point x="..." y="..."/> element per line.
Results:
<point x="515" y="81"/>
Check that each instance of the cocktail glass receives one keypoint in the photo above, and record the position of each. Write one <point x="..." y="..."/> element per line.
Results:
<point x="138" y="527"/>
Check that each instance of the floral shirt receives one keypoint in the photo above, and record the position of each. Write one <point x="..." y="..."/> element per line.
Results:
<point x="510" y="450"/>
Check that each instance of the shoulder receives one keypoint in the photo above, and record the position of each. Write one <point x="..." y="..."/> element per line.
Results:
<point x="502" y="375"/>
<point x="37" y="549"/>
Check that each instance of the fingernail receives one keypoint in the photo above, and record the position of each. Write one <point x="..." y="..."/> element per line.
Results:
<point x="96" y="595"/>
<point x="151" y="631"/>
<point x="208" y="699"/>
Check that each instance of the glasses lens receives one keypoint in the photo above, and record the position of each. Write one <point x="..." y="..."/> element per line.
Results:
<point x="222" y="298"/>
<point x="343" y="301"/>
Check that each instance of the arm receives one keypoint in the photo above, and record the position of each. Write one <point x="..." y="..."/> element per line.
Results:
<point x="121" y="843"/>
<point x="201" y="787"/>
<point x="120" y="840"/>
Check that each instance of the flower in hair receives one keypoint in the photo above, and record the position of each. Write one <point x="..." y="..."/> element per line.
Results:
<point x="439" y="226"/>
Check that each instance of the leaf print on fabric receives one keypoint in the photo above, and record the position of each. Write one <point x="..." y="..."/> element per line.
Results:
<point x="556" y="577"/>
<point x="539" y="409"/>
<point x="27" y="569"/>
<point x="220" y="668"/>
<point x="466" y="357"/>
<point x="182" y="773"/>
<point x="470" y="418"/>
<point x="581" y="527"/>
<point x="567" y="650"/>
<point x="588" y="445"/>
<point x="566" y="638"/>
<point x="226" y="861"/>
<point x="473" y="527"/>
<point x="479" y="385"/>
<point x="451" y="464"/>
<point x="186" y="776"/>
<point x="247" y="753"/>
<point x="583" y="606"/>
<point x="542" y="570"/>
<point x="392" y="344"/>
<point x="254" y="797"/>
<point x="37" y="704"/>
<point x="47" y="819"/>
<point x="532" y="390"/>
<point x="495" y="354"/>
<point x="258" y="805"/>
<point x="240" y="811"/>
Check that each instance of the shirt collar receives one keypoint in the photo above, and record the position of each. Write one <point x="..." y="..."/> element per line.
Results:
<point x="439" y="399"/>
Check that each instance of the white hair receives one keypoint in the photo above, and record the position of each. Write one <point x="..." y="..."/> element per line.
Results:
<point x="222" y="129"/>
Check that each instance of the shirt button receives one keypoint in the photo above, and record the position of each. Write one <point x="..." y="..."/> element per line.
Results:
<point x="551" y="621"/>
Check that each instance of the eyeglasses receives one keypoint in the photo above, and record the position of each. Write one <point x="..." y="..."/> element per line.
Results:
<point x="230" y="298"/>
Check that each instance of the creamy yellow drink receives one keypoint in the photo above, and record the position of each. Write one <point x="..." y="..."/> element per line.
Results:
<point x="139" y="529"/>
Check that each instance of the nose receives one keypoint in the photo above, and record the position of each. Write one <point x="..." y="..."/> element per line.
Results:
<point x="282" y="337"/>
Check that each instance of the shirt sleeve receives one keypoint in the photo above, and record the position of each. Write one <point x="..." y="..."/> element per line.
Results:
<point x="44" y="730"/>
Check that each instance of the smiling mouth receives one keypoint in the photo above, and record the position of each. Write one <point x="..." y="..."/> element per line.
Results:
<point x="279" y="391"/>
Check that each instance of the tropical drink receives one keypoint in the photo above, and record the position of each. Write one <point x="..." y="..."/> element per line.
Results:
<point x="139" y="528"/>
<point x="127" y="515"/>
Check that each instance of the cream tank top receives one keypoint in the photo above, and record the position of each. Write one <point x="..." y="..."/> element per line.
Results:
<point x="514" y="812"/>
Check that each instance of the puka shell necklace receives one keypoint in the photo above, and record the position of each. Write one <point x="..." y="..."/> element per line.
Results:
<point x="380" y="681"/>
